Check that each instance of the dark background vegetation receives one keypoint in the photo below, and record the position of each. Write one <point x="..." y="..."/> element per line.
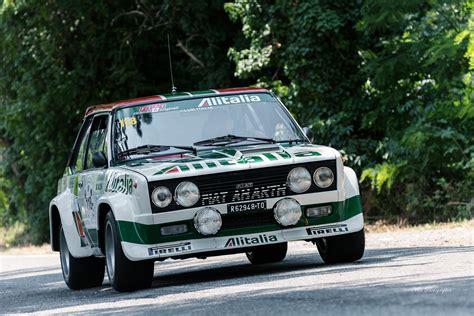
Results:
<point x="389" y="83"/>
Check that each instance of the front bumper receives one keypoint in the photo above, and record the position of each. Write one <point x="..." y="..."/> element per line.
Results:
<point x="137" y="252"/>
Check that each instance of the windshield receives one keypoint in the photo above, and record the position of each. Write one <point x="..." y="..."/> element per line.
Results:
<point x="186" y="122"/>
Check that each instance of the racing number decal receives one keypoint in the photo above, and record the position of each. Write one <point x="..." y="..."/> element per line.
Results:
<point x="128" y="121"/>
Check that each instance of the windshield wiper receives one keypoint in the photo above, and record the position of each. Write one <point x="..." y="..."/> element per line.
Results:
<point x="231" y="139"/>
<point x="146" y="149"/>
<point x="291" y="141"/>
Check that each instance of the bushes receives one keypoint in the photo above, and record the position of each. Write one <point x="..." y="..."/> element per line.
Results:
<point x="57" y="57"/>
<point x="388" y="83"/>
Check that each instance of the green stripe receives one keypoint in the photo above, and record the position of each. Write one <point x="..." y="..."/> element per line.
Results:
<point x="227" y="162"/>
<point x="150" y="234"/>
<point x="270" y="156"/>
<point x="164" y="170"/>
<point x="184" y="168"/>
<point x="284" y="155"/>
<point x="197" y="166"/>
<point x="352" y="207"/>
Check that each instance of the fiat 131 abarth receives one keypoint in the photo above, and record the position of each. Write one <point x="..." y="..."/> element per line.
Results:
<point x="198" y="174"/>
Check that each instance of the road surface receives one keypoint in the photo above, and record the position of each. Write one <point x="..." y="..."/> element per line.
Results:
<point x="429" y="272"/>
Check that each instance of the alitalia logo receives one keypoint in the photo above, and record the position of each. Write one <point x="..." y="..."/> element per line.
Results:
<point x="242" y="98"/>
<point x="248" y="241"/>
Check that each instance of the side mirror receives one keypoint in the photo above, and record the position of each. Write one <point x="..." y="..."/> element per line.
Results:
<point x="99" y="159"/>
<point x="309" y="133"/>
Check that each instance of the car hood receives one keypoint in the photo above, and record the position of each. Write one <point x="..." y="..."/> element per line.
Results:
<point x="228" y="159"/>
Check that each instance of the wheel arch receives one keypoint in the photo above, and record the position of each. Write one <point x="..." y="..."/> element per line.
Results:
<point x="54" y="224"/>
<point x="102" y="210"/>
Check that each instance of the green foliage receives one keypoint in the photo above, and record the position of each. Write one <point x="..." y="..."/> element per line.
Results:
<point x="390" y="83"/>
<point x="58" y="57"/>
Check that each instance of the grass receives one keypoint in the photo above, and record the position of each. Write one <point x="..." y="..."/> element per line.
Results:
<point x="12" y="236"/>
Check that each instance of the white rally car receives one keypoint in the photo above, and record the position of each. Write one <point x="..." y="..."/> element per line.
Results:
<point x="195" y="175"/>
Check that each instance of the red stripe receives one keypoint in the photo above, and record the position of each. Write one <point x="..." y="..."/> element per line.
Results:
<point x="110" y="106"/>
<point x="79" y="225"/>
<point x="156" y="98"/>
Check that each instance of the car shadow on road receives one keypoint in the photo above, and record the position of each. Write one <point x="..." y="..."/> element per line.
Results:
<point x="299" y="266"/>
<point x="45" y="292"/>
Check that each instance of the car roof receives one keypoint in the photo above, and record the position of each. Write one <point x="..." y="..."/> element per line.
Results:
<point x="163" y="97"/>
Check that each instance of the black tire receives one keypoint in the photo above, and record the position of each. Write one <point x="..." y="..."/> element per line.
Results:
<point x="124" y="275"/>
<point x="268" y="253"/>
<point x="79" y="273"/>
<point x="343" y="248"/>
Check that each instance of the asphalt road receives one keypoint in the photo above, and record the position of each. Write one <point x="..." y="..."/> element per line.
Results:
<point x="406" y="272"/>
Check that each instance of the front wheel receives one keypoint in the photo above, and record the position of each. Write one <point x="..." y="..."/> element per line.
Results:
<point x="343" y="248"/>
<point x="124" y="275"/>
<point x="79" y="273"/>
<point x="268" y="253"/>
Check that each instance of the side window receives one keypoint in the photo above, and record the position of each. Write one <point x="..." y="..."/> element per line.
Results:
<point x="97" y="139"/>
<point x="76" y="163"/>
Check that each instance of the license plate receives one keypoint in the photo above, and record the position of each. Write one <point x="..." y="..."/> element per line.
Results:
<point x="247" y="207"/>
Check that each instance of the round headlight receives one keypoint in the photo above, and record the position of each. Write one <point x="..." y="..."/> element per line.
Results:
<point x="323" y="177"/>
<point x="299" y="180"/>
<point x="208" y="221"/>
<point x="287" y="212"/>
<point x="186" y="194"/>
<point x="161" y="196"/>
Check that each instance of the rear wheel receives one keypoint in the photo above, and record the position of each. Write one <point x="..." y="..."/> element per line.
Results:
<point x="343" y="248"/>
<point x="124" y="275"/>
<point x="79" y="273"/>
<point x="268" y="253"/>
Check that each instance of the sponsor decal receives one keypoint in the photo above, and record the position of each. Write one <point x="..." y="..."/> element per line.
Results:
<point x="249" y="241"/>
<point x="258" y="193"/>
<point x="223" y="162"/>
<point x="229" y="100"/>
<point x="324" y="230"/>
<point x="152" y="108"/>
<point x="170" y="249"/>
<point x="88" y="198"/>
<point x="120" y="184"/>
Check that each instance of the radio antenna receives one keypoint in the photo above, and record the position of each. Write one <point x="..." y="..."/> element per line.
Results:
<point x="173" y="88"/>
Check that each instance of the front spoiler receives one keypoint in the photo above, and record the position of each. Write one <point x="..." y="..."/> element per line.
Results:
<point x="136" y="252"/>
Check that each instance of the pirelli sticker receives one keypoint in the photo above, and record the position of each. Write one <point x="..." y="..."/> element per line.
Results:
<point x="170" y="249"/>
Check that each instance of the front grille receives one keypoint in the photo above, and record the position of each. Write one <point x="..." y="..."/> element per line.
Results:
<point x="246" y="220"/>
<point x="234" y="187"/>
<point x="229" y="181"/>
